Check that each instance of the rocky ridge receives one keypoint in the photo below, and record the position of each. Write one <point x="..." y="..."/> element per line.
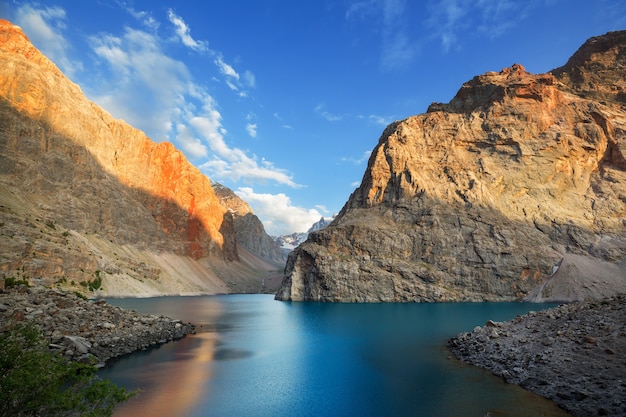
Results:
<point x="482" y="198"/>
<point x="574" y="354"/>
<point x="83" y="194"/>
<point x="86" y="331"/>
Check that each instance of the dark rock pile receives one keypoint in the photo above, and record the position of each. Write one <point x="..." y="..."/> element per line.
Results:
<point x="84" y="330"/>
<point x="574" y="354"/>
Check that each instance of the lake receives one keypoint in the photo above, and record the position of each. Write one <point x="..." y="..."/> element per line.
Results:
<point x="254" y="356"/>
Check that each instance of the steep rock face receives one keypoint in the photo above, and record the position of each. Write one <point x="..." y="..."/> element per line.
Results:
<point x="249" y="230"/>
<point x="82" y="192"/>
<point x="481" y="198"/>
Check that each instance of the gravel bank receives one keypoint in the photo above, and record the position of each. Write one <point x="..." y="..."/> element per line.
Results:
<point x="574" y="354"/>
<point x="84" y="330"/>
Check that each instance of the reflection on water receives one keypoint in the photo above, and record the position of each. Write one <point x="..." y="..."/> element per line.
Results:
<point x="254" y="356"/>
<point x="173" y="387"/>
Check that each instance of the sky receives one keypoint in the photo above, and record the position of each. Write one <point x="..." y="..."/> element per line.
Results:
<point x="283" y="100"/>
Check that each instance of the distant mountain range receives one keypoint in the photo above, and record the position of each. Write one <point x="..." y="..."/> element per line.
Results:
<point x="289" y="242"/>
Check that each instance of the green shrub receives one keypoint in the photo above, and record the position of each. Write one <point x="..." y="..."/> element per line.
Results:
<point x="11" y="282"/>
<point x="96" y="283"/>
<point x="37" y="382"/>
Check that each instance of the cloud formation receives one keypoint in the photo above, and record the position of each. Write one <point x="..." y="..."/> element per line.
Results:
<point x="491" y="18"/>
<point x="44" y="26"/>
<point x="280" y="216"/>
<point x="184" y="33"/>
<point x="358" y="161"/>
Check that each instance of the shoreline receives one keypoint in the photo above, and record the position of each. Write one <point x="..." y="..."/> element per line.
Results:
<point x="573" y="354"/>
<point x="87" y="331"/>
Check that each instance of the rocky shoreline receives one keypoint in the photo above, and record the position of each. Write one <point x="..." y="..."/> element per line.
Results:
<point x="574" y="354"/>
<point x="85" y="330"/>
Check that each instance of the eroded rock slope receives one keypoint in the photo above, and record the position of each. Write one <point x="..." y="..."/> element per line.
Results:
<point x="86" y="196"/>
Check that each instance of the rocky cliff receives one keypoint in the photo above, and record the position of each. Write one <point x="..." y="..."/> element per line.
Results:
<point x="85" y="196"/>
<point x="484" y="197"/>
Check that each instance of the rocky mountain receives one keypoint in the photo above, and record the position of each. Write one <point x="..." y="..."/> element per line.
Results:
<point x="249" y="231"/>
<point x="289" y="242"/>
<point x="86" y="198"/>
<point x="515" y="188"/>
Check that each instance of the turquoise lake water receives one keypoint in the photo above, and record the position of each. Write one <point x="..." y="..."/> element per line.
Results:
<point x="253" y="356"/>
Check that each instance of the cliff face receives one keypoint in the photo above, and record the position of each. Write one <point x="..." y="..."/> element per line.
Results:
<point x="483" y="197"/>
<point x="82" y="192"/>
<point x="249" y="231"/>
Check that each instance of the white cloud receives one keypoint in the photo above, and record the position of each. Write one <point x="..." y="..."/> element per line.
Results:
<point x="357" y="161"/>
<point x="321" y="110"/>
<point x="321" y="208"/>
<point x="232" y="77"/>
<point x="44" y="27"/>
<point x="226" y="69"/>
<point x="189" y="143"/>
<point x="277" y="213"/>
<point x="143" y="16"/>
<point x="184" y="33"/>
<point x="379" y="120"/>
<point x="251" y="129"/>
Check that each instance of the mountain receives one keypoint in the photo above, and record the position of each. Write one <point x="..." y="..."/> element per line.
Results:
<point x="289" y="242"/>
<point x="86" y="198"/>
<point x="249" y="231"/>
<point x="514" y="189"/>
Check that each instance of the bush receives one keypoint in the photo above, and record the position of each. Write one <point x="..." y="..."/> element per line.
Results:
<point x="12" y="282"/>
<point x="37" y="382"/>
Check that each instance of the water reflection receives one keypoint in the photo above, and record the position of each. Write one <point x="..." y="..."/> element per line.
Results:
<point x="257" y="357"/>
<point x="174" y="387"/>
<point x="173" y="377"/>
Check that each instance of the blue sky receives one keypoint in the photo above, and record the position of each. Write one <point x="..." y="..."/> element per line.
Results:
<point x="283" y="101"/>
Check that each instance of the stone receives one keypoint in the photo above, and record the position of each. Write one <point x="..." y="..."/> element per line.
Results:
<point x="582" y="381"/>
<point x="84" y="338"/>
<point x="513" y="190"/>
<point x="80" y="344"/>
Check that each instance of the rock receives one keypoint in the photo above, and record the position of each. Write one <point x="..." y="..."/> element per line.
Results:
<point x="90" y="332"/>
<point x="80" y="344"/>
<point x="485" y="197"/>
<point x="574" y="369"/>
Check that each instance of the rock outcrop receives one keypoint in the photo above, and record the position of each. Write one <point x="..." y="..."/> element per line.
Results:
<point x="249" y="231"/>
<point x="84" y="194"/>
<point x="573" y="354"/>
<point x="483" y="197"/>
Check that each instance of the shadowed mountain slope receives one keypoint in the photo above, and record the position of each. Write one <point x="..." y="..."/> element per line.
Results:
<point x="86" y="196"/>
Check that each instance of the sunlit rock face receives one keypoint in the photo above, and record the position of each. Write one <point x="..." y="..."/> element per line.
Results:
<point x="82" y="192"/>
<point x="481" y="198"/>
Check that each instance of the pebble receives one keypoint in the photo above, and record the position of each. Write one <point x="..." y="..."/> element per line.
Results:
<point x="85" y="330"/>
<point x="573" y="354"/>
